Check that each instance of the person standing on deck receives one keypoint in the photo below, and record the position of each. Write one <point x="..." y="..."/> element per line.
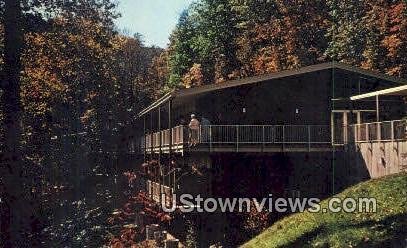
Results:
<point x="205" y="123"/>
<point x="193" y="130"/>
<point x="182" y="121"/>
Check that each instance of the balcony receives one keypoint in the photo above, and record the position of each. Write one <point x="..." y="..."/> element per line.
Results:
<point x="241" y="138"/>
<point x="387" y="131"/>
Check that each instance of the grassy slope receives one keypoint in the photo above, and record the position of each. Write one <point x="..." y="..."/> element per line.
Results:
<point x="385" y="228"/>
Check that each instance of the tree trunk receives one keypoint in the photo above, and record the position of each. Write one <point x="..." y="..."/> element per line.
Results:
<point x="15" y="212"/>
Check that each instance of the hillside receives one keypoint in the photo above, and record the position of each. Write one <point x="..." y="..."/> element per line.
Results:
<point x="385" y="228"/>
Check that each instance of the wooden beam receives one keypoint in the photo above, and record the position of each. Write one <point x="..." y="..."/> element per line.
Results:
<point x="157" y="103"/>
<point x="395" y="91"/>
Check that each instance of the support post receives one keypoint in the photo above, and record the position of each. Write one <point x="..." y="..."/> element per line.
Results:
<point x="273" y="133"/>
<point x="237" y="138"/>
<point x="358" y="123"/>
<point x="152" y="135"/>
<point x="377" y="109"/>
<point x="377" y="119"/>
<point x="367" y="132"/>
<point x="309" y="138"/>
<point x="170" y="143"/>
<point x="283" y="138"/>
<point x="173" y="179"/>
<point x="159" y="155"/>
<point x="392" y="131"/>
<point x="392" y="134"/>
<point x="159" y="130"/>
<point x="332" y="129"/>
<point x="358" y="117"/>
<point x="344" y="127"/>
<point x="170" y="125"/>
<point x="210" y="138"/>
<point x="144" y="138"/>
<point x="263" y="138"/>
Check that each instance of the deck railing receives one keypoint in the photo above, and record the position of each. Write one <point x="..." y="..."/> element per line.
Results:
<point x="264" y="134"/>
<point x="377" y="131"/>
<point x="165" y="137"/>
<point x="178" y="135"/>
<point x="156" y="139"/>
<point x="280" y="134"/>
<point x="243" y="134"/>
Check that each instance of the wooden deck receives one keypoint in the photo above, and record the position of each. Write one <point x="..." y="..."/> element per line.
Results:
<point x="241" y="138"/>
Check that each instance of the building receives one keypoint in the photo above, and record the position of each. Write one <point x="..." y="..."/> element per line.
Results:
<point x="279" y="118"/>
<point x="379" y="145"/>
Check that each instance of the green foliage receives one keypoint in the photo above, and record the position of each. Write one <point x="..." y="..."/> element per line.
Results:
<point x="386" y="228"/>
<point x="347" y="35"/>
<point x="367" y="34"/>
<point x="181" y="50"/>
<point x="233" y="38"/>
<point x="205" y="36"/>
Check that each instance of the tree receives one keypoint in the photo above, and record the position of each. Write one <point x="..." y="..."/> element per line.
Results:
<point x="16" y="210"/>
<point x="217" y="29"/>
<point x="369" y="34"/>
<point x="205" y="35"/>
<point x="231" y="39"/>
<point x="194" y="77"/>
<point x="283" y="35"/>
<point x="249" y="15"/>
<point x="395" y="42"/>
<point x="159" y="75"/>
<point x="347" y="34"/>
<point x="181" y="52"/>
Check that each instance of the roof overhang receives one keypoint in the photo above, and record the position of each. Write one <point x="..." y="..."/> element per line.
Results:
<point x="180" y="93"/>
<point x="158" y="103"/>
<point x="396" y="91"/>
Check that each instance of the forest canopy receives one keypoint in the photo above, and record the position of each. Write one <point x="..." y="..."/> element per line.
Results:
<point x="71" y="87"/>
<point x="215" y="41"/>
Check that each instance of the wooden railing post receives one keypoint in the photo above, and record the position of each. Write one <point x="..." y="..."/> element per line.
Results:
<point x="392" y="131"/>
<point x="210" y="138"/>
<point x="182" y="135"/>
<point x="170" y="126"/>
<point x="144" y="139"/>
<point x="263" y="138"/>
<point x="237" y="138"/>
<point x="200" y="134"/>
<point x="273" y="134"/>
<point x="367" y="132"/>
<point x="283" y="138"/>
<point x="309" y="138"/>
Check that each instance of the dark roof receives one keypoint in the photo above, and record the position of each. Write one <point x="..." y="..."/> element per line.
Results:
<point x="266" y="77"/>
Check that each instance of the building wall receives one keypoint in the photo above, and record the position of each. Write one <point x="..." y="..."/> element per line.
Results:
<point x="295" y="100"/>
<point x="312" y="174"/>
<point x="379" y="158"/>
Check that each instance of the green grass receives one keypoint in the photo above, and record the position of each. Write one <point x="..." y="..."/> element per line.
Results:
<point x="385" y="228"/>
